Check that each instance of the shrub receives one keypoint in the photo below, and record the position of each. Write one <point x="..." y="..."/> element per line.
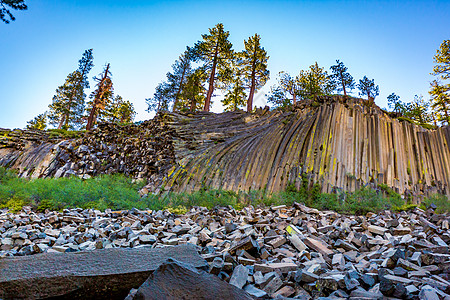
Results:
<point x="441" y="201"/>
<point x="119" y="192"/>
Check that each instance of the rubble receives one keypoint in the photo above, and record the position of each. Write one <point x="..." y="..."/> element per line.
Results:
<point x="306" y="254"/>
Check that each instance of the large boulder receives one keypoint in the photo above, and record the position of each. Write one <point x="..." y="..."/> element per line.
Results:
<point x="99" y="274"/>
<point x="177" y="280"/>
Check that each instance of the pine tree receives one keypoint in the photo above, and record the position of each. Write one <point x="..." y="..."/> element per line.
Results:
<point x="442" y="61"/>
<point x="419" y="111"/>
<point x="126" y="112"/>
<point x="290" y="85"/>
<point x="440" y="92"/>
<point x="368" y="87"/>
<point x="119" y="110"/>
<point x="440" y="102"/>
<point x="178" y="77"/>
<point x="315" y="82"/>
<point x="39" y="122"/>
<point x="341" y="78"/>
<point x="5" y="15"/>
<point x="285" y="91"/>
<point x="161" y="98"/>
<point x="254" y="66"/>
<point x="235" y="97"/>
<point x="67" y="106"/>
<point x="101" y="97"/>
<point x="395" y="104"/>
<point x="194" y="94"/>
<point x="216" y="51"/>
<point x="277" y="97"/>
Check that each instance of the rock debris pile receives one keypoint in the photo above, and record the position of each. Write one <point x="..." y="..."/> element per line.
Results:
<point x="141" y="151"/>
<point x="277" y="252"/>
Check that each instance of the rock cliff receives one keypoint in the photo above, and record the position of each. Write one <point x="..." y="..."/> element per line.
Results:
<point x="340" y="143"/>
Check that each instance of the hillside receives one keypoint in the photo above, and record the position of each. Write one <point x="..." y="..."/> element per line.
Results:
<point x="342" y="144"/>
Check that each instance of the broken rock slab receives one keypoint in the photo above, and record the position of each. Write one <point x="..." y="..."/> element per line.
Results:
<point x="98" y="274"/>
<point x="177" y="280"/>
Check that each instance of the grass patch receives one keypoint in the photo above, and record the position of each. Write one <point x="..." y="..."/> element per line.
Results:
<point x="68" y="134"/>
<point x="119" y="192"/>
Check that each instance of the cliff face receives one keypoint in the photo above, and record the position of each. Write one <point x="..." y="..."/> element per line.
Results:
<point x="340" y="144"/>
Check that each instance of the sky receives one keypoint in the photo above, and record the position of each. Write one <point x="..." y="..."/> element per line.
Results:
<point x="392" y="42"/>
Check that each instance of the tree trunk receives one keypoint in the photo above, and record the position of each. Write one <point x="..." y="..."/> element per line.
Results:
<point x="61" y="122"/>
<point x="250" y="96"/>
<point x="211" y="80"/>
<point x="91" y="118"/>
<point x="252" y="88"/>
<point x="193" y="104"/>
<point x="446" y="113"/>
<point x="343" y="86"/>
<point x="294" y="98"/>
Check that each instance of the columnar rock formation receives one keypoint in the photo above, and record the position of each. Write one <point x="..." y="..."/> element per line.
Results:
<point x="340" y="143"/>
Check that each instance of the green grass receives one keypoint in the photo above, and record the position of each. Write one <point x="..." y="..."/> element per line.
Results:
<point x="119" y="192"/>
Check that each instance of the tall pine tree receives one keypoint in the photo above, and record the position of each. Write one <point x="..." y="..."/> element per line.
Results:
<point x="442" y="61"/>
<point x="440" y="88"/>
<point x="254" y="65"/>
<point x="67" y="107"/>
<point x="178" y="77"/>
<point x="216" y="51"/>
<point x="101" y="96"/>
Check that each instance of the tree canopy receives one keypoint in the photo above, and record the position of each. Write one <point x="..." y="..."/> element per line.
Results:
<point x="101" y="96"/>
<point x="254" y="67"/>
<point x="215" y="50"/>
<point x="314" y="82"/>
<point x="5" y="5"/>
<point x="368" y="88"/>
<point x="342" y="80"/>
<point x="67" y="107"/>
<point x="39" y="122"/>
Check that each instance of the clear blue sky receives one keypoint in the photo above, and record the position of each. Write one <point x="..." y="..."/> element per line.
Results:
<point x="392" y="42"/>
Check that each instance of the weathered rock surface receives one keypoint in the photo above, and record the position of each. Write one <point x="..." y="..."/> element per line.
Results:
<point x="340" y="143"/>
<point x="175" y="280"/>
<point x="99" y="274"/>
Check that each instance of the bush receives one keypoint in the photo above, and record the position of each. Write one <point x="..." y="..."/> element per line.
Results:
<point x="107" y="191"/>
<point x="119" y="192"/>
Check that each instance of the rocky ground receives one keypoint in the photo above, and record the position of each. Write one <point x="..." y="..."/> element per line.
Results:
<point x="277" y="252"/>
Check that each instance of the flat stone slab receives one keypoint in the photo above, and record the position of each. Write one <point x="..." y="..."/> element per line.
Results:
<point x="99" y="274"/>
